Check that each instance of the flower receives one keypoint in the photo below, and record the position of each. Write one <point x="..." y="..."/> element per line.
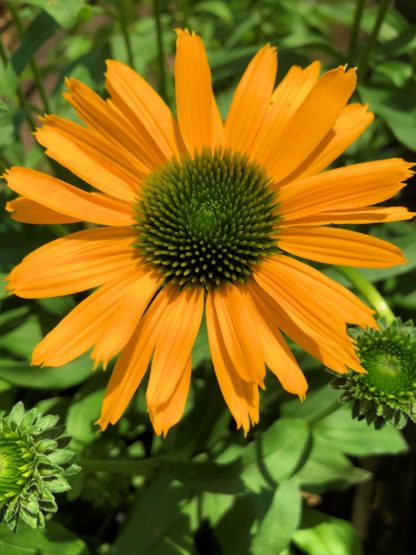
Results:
<point x="33" y="466"/>
<point x="198" y="219"/>
<point x="387" y="391"/>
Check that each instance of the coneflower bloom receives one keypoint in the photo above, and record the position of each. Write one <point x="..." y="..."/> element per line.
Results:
<point x="199" y="218"/>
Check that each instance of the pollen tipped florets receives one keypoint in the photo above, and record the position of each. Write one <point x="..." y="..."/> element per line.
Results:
<point x="387" y="393"/>
<point x="207" y="220"/>
<point x="33" y="466"/>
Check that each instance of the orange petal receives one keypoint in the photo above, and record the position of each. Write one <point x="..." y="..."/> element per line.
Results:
<point x="66" y="199"/>
<point x="199" y="119"/>
<point x="142" y="106"/>
<point x="106" y="119"/>
<point x="90" y="156"/>
<point x="74" y="263"/>
<point x="132" y="363"/>
<point x="28" y="212"/>
<point x="167" y="414"/>
<point x="350" y="124"/>
<point x="124" y="319"/>
<point x="242" y="397"/>
<point x="348" y="306"/>
<point x="82" y="327"/>
<point x="177" y="335"/>
<point x="251" y="100"/>
<point x="277" y="354"/>
<point x="340" y="246"/>
<point x="343" y="188"/>
<point x="335" y="354"/>
<point x="281" y="153"/>
<point x="366" y="215"/>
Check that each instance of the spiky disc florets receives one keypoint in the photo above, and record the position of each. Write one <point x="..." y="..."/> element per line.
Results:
<point x="387" y="393"/>
<point x="33" y="466"/>
<point x="207" y="220"/>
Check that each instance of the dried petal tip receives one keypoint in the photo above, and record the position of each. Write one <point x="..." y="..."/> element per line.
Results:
<point x="34" y="464"/>
<point x="387" y="392"/>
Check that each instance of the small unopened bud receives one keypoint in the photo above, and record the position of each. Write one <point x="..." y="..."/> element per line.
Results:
<point x="387" y="392"/>
<point x="34" y="464"/>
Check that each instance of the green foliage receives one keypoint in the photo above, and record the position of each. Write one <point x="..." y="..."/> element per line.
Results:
<point x="205" y="489"/>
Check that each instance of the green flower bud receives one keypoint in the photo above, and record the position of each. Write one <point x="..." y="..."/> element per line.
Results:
<point x="34" y="464"/>
<point x="387" y="392"/>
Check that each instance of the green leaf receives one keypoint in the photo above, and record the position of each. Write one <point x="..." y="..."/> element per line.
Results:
<point x="217" y="8"/>
<point x="52" y="540"/>
<point x="3" y="292"/>
<point x="36" y="34"/>
<point x="320" y="533"/>
<point x="318" y="403"/>
<point x="200" y="350"/>
<point x="273" y="456"/>
<point x="397" y="71"/>
<point x="33" y="377"/>
<point x="356" y="437"/>
<point x="22" y="339"/>
<point x="280" y="522"/>
<point x="65" y="13"/>
<point x="82" y="414"/>
<point x="207" y="476"/>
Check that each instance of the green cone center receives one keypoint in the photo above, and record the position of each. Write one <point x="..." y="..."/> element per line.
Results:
<point x="14" y="456"/>
<point x="207" y="220"/>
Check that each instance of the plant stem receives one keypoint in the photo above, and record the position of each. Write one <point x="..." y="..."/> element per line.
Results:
<point x="20" y="95"/>
<point x="35" y="70"/>
<point x="369" y="292"/>
<point x="352" y="44"/>
<point x="161" y="56"/>
<point x="124" y="10"/>
<point x="185" y="12"/>
<point x="372" y="39"/>
<point x="145" y="466"/>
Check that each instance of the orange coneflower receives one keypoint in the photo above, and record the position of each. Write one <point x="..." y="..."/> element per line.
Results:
<point x="197" y="215"/>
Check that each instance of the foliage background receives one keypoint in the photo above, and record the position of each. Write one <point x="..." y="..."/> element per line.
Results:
<point x="300" y="482"/>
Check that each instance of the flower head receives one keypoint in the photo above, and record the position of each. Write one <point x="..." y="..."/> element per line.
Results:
<point x="387" y="391"/>
<point x="198" y="219"/>
<point x="33" y="466"/>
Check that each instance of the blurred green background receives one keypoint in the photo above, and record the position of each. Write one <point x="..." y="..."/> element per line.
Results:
<point x="300" y="483"/>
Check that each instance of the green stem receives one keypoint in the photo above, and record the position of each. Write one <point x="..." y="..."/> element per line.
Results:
<point x="124" y="10"/>
<point x="185" y="12"/>
<point x="352" y="44"/>
<point x="145" y="466"/>
<point x="369" y="292"/>
<point x="20" y="95"/>
<point x="35" y="70"/>
<point x="372" y="39"/>
<point x="161" y="55"/>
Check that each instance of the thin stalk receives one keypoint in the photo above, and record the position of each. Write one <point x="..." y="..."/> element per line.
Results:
<point x="24" y="103"/>
<point x="35" y="70"/>
<point x="372" y="39"/>
<point x="124" y="10"/>
<point x="352" y="43"/>
<point x="185" y="12"/>
<point x="369" y="292"/>
<point x="161" y="55"/>
<point x="142" y="467"/>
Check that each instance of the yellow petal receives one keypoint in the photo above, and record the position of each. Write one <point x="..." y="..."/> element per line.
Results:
<point x="74" y="263"/>
<point x="352" y="186"/>
<point x="66" y="199"/>
<point x="340" y="246"/>
<point x="167" y="414"/>
<point x="81" y="328"/>
<point x="90" y="156"/>
<point x="277" y="354"/>
<point x="251" y="100"/>
<point x="28" y="212"/>
<point x="141" y="105"/>
<point x="242" y="397"/>
<point x="132" y="363"/>
<point x="199" y="119"/>
<point x="177" y="335"/>
<point x="281" y="153"/>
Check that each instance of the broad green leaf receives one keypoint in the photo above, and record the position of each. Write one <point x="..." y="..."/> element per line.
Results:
<point x="207" y="476"/>
<point x="317" y="404"/>
<point x="33" y="377"/>
<point x="320" y="533"/>
<point x="357" y="438"/>
<point x="64" y="12"/>
<point x="52" y="540"/>
<point x="397" y="71"/>
<point x="81" y="417"/>
<point x="216" y="8"/>
<point x="22" y="339"/>
<point x="280" y="522"/>
<point x="273" y="456"/>
<point x="8" y="85"/>
<point x="3" y="292"/>
<point x="403" y="44"/>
